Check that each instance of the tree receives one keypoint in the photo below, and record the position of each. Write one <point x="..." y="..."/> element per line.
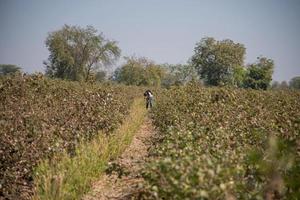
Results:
<point x="239" y="75"/>
<point x="259" y="74"/>
<point x="178" y="74"/>
<point x="153" y="75"/>
<point x="77" y="52"/>
<point x="139" y="71"/>
<point x="100" y="76"/>
<point x="275" y="85"/>
<point x="131" y="73"/>
<point x="216" y="61"/>
<point x="6" y="69"/>
<point x="295" y="82"/>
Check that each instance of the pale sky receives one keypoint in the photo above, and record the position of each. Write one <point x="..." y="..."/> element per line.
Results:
<point x="165" y="31"/>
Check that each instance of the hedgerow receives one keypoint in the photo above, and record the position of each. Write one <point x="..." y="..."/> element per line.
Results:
<point x="221" y="143"/>
<point x="40" y="117"/>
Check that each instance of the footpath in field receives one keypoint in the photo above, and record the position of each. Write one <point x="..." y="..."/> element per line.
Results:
<point x="123" y="175"/>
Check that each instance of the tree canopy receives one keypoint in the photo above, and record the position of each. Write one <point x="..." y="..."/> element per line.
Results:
<point x="77" y="52"/>
<point x="259" y="74"/>
<point x="216" y="61"/>
<point x="139" y="71"/>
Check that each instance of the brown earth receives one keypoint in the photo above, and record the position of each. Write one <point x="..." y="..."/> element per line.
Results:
<point x="122" y="178"/>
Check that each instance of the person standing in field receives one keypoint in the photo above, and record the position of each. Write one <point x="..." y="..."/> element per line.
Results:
<point x="149" y="98"/>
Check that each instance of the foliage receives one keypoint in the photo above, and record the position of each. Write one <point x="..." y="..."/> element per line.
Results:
<point x="76" y="52"/>
<point x="41" y="117"/>
<point x="140" y="72"/>
<point x="216" y="61"/>
<point x="275" y="85"/>
<point x="219" y="143"/>
<point x="178" y="74"/>
<point x="6" y="69"/>
<point x="259" y="74"/>
<point x="295" y="82"/>
<point x="70" y="177"/>
<point x="100" y="76"/>
<point x="143" y="72"/>
<point x="239" y="76"/>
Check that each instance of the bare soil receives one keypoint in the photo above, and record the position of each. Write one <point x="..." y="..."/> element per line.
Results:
<point x="122" y="178"/>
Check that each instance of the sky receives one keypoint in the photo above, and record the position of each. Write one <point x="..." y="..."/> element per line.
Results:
<point x="165" y="31"/>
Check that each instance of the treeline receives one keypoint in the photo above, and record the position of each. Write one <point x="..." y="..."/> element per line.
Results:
<point x="144" y="72"/>
<point x="6" y="69"/>
<point x="294" y="83"/>
<point x="81" y="54"/>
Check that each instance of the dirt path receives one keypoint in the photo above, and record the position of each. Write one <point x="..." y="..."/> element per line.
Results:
<point x="122" y="177"/>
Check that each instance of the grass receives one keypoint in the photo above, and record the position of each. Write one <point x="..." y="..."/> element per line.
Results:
<point x="66" y="177"/>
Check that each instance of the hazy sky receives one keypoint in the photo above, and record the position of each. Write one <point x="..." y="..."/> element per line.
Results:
<point x="162" y="30"/>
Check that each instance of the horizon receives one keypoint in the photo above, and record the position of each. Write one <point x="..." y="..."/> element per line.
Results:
<point x="165" y="32"/>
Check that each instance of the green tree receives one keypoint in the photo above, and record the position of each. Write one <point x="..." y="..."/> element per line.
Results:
<point x="153" y="75"/>
<point x="259" y="74"/>
<point x="6" y="69"/>
<point x="216" y="61"/>
<point x="139" y="71"/>
<point x="131" y="73"/>
<point x="295" y="82"/>
<point x="239" y="75"/>
<point x="77" y="52"/>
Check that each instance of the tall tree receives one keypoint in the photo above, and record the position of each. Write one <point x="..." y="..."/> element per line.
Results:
<point x="6" y="69"/>
<point x="76" y="52"/>
<point x="295" y="82"/>
<point x="216" y="61"/>
<point x="259" y="74"/>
